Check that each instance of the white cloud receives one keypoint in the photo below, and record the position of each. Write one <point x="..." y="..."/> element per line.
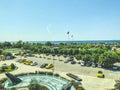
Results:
<point x="48" y="28"/>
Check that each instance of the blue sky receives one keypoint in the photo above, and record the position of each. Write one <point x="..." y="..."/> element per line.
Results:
<point x="40" y="20"/>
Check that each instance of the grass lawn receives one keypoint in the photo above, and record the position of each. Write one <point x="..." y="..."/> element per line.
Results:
<point x="13" y="50"/>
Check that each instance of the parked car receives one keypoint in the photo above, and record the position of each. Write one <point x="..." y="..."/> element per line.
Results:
<point x="82" y="63"/>
<point x="88" y="64"/>
<point x="17" y="60"/>
<point x="73" y="62"/>
<point x="43" y="65"/>
<point x="66" y="61"/>
<point x="115" y="67"/>
<point x="34" y="64"/>
<point x="22" y="61"/>
<point x="49" y="66"/>
<point x="94" y="64"/>
<point x="99" y="66"/>
<point x="28" y="62"/>
<point x="100" y="74"/>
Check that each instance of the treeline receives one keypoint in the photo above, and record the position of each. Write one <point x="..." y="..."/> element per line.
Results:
<point x="105" y="54"/>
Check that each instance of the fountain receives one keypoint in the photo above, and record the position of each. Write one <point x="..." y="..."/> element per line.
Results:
<point x="52" y="83"/>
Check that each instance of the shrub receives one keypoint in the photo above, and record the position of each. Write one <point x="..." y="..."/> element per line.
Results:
<point x="56" y="74"/>
<point x="12" y="66"/>
<point x="50" y="73"/>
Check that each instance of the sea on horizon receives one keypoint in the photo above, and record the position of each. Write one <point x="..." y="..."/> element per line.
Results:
<point x="75" y="41"/>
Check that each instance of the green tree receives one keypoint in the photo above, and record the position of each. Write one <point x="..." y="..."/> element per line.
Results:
<point x="1" y="52"/>
<point x="48" y="43"/>
<point x="86" y="57"/>
<point x="7" y="53"/>
<point x="95" y="58"/>
<point x="78" y="57"/>
<point x="26" y="45"/>
<point x="19" y="44"/>
<point x="7" y="44"/>
<point x="107" y="59"/>
<point x="75" y="51"/>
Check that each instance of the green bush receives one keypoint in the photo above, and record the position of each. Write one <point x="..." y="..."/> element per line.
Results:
<point x="56" y="74"/>
<point x="100" y="72"/>
<point x="12" y="66"/>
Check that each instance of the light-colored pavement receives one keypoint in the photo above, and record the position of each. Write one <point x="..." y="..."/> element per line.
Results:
<point x="88" y="74"/>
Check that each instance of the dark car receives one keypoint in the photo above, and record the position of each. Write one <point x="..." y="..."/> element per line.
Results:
<point x="88" y="64"/>
<point x="115" y="67"/>
<point x="73" y="62"/>
<point x="43" y="65"/>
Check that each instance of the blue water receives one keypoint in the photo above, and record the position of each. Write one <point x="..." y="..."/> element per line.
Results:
<point x="84" y="41"/>
<point x="75" y="41"/>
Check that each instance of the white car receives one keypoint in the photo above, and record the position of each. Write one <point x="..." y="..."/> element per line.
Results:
<point x="82" y="63"/>
<point x="34" y="64"/>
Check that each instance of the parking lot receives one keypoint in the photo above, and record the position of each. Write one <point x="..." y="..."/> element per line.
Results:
<point x="76" y="68"/>
<point x="87" y="74"/>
